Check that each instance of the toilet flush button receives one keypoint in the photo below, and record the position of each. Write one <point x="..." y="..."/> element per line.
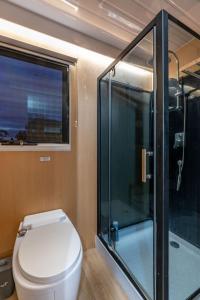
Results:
<point x="45" y="158"/>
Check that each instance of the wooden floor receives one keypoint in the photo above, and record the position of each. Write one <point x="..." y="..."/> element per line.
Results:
<point x="97" y="283"/>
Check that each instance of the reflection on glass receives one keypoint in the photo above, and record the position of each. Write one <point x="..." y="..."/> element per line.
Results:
<point x="184" y="149"/>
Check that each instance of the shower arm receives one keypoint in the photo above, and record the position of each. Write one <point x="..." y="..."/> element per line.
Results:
<point x="178" y="106"/>
<point x="177" y="63"/>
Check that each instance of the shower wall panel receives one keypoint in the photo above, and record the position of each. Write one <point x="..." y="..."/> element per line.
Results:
<point x="185" y="204"/>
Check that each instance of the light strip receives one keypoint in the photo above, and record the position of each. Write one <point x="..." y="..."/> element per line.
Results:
<point x="134" y="69"/>
<point x="38" y="39"/>
<point x="70" y="5"/>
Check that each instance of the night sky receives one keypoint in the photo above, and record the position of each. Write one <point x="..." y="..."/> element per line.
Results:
<point x="28" y="91"/>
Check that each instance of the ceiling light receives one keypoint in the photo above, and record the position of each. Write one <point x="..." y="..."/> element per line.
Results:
<point x="116" y="14"/>
<point x="30" y="36"/>
<point x="123" y="21"/>
<point x="70" y="5"/>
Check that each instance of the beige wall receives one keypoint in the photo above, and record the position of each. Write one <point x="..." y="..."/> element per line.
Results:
<point x="87" y="150"/>
<point x="68" y="181"/>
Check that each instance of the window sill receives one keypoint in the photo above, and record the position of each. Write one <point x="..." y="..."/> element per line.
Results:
<point x="39" y="147"/>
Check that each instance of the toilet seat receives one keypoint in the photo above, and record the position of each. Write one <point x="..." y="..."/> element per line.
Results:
<point x="48" y="253"/>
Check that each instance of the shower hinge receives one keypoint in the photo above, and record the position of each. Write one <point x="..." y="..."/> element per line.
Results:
<point x="114" y="229"/>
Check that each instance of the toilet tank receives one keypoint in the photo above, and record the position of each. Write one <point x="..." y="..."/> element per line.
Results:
<point x="45" y="218"/>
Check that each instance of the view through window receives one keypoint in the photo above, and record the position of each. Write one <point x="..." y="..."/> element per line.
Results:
<point x="34" y="99"/>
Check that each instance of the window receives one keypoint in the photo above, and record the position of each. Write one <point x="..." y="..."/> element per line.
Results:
<point x="34" y="100"/>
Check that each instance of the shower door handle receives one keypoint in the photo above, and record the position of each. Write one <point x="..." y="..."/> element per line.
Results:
<point x="145" y="176"/>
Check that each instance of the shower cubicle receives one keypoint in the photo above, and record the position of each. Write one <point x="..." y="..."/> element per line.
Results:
<point x="149" y="160"/>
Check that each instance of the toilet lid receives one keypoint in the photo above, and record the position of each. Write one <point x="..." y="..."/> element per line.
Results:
<point x="49" y="252"/>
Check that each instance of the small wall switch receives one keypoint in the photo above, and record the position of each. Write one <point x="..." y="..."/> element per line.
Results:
<point x="45" y="158"/>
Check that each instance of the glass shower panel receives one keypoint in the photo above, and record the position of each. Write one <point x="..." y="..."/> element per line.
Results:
<point x="184" y="166"/>
<point x="131" y="162"/>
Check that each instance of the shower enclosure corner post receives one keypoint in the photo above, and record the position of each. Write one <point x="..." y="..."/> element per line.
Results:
<point x="161" y="160"/>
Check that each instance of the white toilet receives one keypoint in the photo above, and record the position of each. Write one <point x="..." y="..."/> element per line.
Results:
<point x="47" y="258"/>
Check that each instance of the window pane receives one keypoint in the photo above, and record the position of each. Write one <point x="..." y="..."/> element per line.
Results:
<point x="32" y="99"/>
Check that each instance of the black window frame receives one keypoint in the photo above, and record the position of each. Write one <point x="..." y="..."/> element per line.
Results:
<point x="50" y="62"/>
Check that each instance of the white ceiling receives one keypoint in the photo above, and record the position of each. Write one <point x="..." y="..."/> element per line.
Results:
<point x="116" y="22"/>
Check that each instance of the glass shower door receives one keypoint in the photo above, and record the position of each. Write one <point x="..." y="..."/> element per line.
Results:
<point x="131" y="201"/>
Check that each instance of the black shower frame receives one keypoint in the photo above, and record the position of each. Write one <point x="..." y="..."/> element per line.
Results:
<point x="161" y="155"/>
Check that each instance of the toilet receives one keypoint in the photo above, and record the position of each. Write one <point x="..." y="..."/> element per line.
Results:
<point x="47" y="258"/>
